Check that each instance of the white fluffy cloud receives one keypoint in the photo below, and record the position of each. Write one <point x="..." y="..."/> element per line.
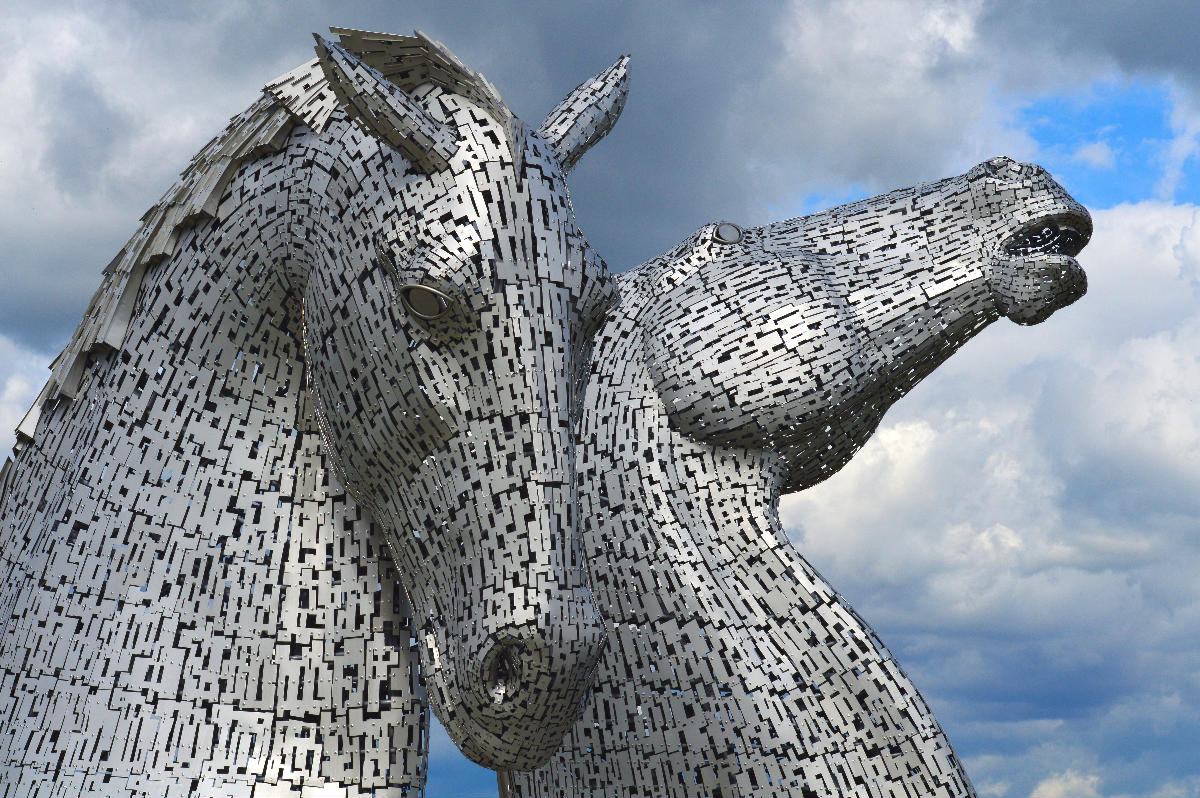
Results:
<point x="1068" y="784"/>
<point x="883" y="93"/>
<point x="1096" y="154"/>
<point x="22" y="375"/>
<point x="1030" y="545"/>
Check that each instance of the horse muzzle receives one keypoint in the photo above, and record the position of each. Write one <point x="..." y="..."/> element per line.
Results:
<point x="513" y="696"/>
<point x="1035" y="272"/>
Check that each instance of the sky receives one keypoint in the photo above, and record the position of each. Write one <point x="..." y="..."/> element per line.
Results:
<point x="1023" y="531"/>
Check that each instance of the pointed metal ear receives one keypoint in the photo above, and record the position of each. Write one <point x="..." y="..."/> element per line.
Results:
<point x="385" y="110"/>
<point x="587" y="113"/>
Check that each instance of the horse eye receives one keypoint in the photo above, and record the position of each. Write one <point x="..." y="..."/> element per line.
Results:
<point x="1004" y="167"/>
<point x="424" y="302"/>
<point x="727" y="233"/>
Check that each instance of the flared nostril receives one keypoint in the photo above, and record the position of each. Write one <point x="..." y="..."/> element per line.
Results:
<point x="503" y="673"/>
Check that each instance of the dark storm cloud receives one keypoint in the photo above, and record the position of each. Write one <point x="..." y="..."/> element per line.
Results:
<point x="81" y="127"/>
<point x="1157" y="38"/>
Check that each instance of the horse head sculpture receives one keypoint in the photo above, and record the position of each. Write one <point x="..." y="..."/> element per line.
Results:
<point x="741" y="365"/>
<point x="797" y="336"/>
<point x="379" y="243"/>
<point x="447" y="377"/>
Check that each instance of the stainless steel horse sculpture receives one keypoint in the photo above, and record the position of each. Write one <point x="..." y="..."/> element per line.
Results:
<point x="742" y="365"/>
<point x="372" y="279"/>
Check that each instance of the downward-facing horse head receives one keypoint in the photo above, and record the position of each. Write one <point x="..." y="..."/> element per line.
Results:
<point x="380" y="240"/>
<point x="744" y="364"/>
<point x="452" y="418"/>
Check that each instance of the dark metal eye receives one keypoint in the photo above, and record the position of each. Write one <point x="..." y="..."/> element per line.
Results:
<point x="727" y="233"/>
<point x="424" y="302"/>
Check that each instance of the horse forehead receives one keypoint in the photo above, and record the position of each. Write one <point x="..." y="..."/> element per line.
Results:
<point x="508" y="195"/>
<point x="495" y="133"/>
<point x="561" y="281"/>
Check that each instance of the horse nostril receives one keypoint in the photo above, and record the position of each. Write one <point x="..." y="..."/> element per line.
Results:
<point x="504" y="672"/>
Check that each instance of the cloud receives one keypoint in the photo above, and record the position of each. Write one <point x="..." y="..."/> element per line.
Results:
<point x="885" y="93"/>
<point x="1141" y="41"/>
<point x="1097" y="154"/>
<point x="1067" y="784"/>
<point x="1030" y="546"/>
<point x="22" y="375"/>
<point x="1147" y="39"/>
<point x="94" y="138"/>
<point x="1183" y="145"/>
<point x="81" y="129"/>
<point x="877" y="93"/>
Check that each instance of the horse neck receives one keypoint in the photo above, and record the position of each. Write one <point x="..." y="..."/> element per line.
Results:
<point x="191" y="405"/>
<point x="706" y="599"/>
<point x="698" y="508"/>
<point x="224" y="310"/>
<point x="181" y="504"/>
<point x="212" y="339"/>
<point x="227" y="306"/>
<point x="648" y="485"/>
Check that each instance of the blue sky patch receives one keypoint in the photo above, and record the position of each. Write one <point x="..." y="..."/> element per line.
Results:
<point x="1108" y="144"/>
<point x="452" y="775"/>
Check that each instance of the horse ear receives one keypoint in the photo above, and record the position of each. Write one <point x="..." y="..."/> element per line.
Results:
<point x="587" y="113"/>
<point x="385" y="110"/>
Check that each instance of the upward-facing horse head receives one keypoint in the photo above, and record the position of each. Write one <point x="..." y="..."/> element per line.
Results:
<point x="380" y="240"/>
<point x="748" y="363"/>
<point x="798" y="335"/>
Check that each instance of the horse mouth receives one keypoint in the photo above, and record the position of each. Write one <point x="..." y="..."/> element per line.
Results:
<point x="1036" y="272"/>
<point x="1060" y="234"/>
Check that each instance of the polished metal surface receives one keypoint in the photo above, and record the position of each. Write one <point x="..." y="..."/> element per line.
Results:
<point x="734" y="372"/>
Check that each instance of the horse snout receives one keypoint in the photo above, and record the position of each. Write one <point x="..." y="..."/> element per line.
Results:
<point x="525" y="687"/>
<point x="503" y="672"/>
<point x="530" y="667"/>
